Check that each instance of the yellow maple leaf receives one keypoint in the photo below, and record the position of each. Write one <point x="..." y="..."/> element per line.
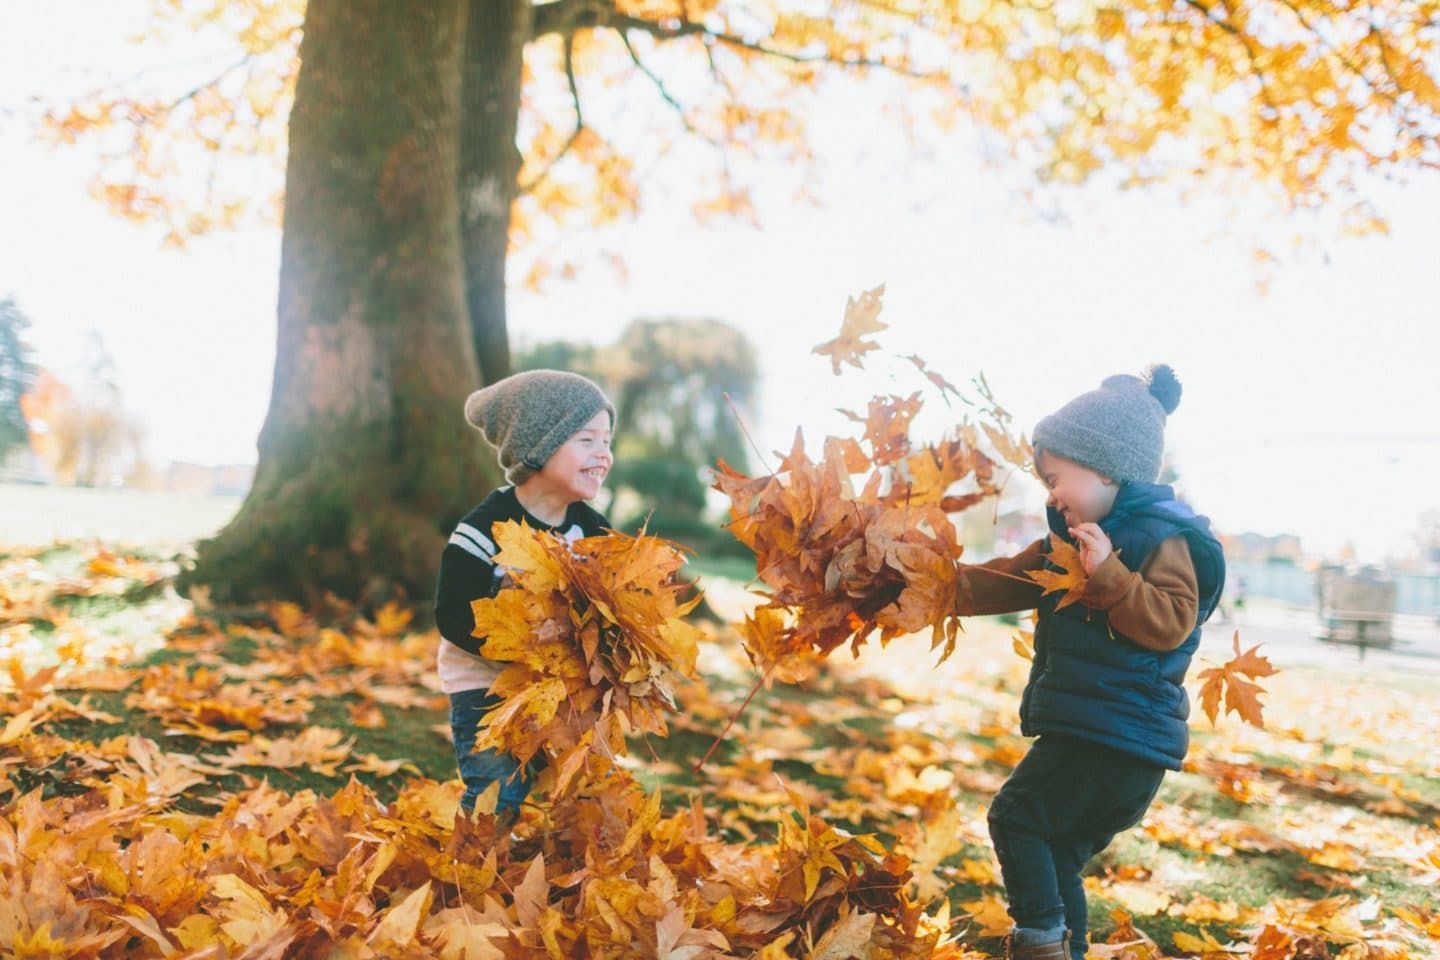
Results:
<point x="246" y="916"/>
<point x="392" y="618"/>
<point x="526" y="558"/>
<point x="1070" y="577"/>
<point x="1205" y="945"/>
<point x="518" y="724"/>
<point x="397" y="928"/>
<point x="849" y="936"/>
<point x="991" y="914"/>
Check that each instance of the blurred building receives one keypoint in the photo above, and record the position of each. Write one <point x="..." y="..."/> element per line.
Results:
<point x="1259" y="548"/>
<point x="20" y="465"/>
<point x="195" y="479"/>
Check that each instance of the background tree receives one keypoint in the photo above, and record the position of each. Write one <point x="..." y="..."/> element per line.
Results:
<point x="426" y="140"/>
<point x="668" y="378"/>
<point x="81" y="433"/>
<point x="17" y="376"/>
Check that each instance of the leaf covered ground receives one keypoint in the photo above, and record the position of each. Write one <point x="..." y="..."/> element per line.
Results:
<point x="184" y="781"/>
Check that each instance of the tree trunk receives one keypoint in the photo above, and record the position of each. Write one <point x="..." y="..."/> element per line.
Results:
<point x="490" y="167"/>
<point x="365" y="457"/>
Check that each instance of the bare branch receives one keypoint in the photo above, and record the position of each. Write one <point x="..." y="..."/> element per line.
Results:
<point x="579" y="117"/>
<point x="246" y="61"/>
<point x="664" y="92"/>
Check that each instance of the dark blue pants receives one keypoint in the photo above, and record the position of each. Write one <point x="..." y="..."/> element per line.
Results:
<point x="479" y="770"/>
<point x="1063" y="804"/>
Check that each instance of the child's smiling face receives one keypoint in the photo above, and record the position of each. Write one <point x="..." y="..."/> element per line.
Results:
<point x="578" y="468"/>
<point x="1079" y="493"/>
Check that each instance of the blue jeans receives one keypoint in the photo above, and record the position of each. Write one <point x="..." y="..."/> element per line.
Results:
<point x="479" y="770"/>
<point x="1063" y="804"/>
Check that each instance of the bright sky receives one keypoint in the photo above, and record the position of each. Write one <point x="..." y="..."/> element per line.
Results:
<point x="1308" y="409"/>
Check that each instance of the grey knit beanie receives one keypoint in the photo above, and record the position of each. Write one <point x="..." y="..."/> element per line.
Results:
<point x="526" y="417"/>
<point x="1117" y="430"/>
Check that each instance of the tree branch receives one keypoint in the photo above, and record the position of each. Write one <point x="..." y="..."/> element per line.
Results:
<point x="1247" y="42"/>
<point x="660" y="86"/>
<point x="579" y="117"/>
<point x="1339" y="55"/>
<point x="565" y="16"/>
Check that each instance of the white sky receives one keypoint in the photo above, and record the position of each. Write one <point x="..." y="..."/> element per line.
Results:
<point x="1310" y="409"/>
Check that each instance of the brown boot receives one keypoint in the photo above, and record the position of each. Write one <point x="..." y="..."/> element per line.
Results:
<point x="1059" y="950"/>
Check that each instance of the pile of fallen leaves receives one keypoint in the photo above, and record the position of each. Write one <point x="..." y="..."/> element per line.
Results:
<point x="114" y="854"/>
<point x="135" y="848"/>
<point x="861" y="540"/>
<point x="305" y="875"/>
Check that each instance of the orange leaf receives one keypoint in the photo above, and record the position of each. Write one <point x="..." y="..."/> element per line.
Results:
<point x="1241" y="695"/>
<point x="1071" y="577"/>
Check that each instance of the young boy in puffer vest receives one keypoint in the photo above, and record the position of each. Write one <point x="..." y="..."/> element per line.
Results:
<point x="1105" y="696"/>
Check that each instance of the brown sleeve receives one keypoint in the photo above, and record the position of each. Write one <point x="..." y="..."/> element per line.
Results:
<point x="1155" y="608"/>
<point x="1000" y="585"/>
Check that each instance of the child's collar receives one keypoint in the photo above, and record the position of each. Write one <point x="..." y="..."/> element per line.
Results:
<point x="1132" y="496"/>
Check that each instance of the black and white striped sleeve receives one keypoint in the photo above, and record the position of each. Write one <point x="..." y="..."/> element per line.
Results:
<point x="467" y="572"/>
<point x="473" y="542"/>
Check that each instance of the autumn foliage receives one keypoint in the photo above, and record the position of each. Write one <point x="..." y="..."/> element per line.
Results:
<point x="594" y="638"/>
<point x="116" y="857"/>
<point x="1295" y="96"/>
<point x="861" y="540"/>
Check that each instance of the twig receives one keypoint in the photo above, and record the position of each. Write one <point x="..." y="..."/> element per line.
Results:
<point x="750" y="696"/>
<point x="540" y="177"/>
<point x="663" y="90"/>
<point x="743" y="429"/>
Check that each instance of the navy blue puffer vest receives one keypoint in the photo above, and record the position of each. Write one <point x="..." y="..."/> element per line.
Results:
<point x="1090" y="682"/>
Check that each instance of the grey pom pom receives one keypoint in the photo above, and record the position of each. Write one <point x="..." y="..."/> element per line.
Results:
<point x="1163" y="386"/>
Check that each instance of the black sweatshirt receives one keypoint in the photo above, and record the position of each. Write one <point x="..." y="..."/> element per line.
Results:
<point x="468" y="572"/>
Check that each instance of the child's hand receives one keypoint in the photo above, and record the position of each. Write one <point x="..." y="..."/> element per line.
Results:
<point x="1094" y="546"/>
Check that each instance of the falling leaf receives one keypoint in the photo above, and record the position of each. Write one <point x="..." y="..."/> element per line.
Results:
<point x="862" y="317"/>
<point x="1241" y="695"/>
<point x="946" y="388"/>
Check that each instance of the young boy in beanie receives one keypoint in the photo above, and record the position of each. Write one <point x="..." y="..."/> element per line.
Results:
<point x="552" y="432"/>
<point x="1105" y="695"/>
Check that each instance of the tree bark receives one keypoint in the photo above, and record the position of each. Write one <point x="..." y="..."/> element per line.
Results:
<point x="365" y="460"/>
<point x="490" y="167"/>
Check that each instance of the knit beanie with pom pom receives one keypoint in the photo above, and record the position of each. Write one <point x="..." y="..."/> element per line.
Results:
<point x="1117" y="430"/>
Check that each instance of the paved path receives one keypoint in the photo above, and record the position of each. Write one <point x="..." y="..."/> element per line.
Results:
<point x="1288" y="635"/>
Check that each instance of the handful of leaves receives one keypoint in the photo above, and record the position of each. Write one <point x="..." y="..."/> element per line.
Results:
<point x="861" y="540"/>
<point x="594" y="639"/>
<point x="840" y="563"/>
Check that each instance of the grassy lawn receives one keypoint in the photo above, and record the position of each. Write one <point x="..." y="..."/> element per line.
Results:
<point x="1336" y="803"/>
<point x="39" y="514"/>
